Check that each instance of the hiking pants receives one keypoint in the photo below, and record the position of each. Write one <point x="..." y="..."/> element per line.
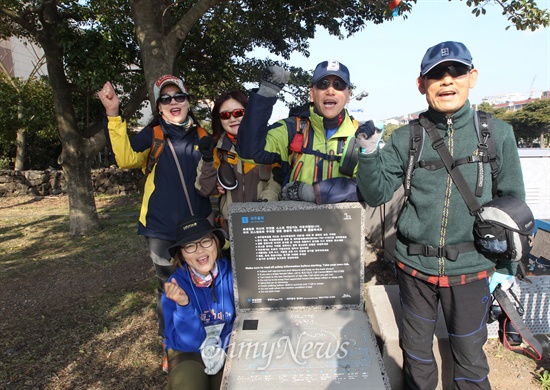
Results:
<point x="465" y="309"/>
<point x="158" y="250"/>
<point x="187" y="373"/>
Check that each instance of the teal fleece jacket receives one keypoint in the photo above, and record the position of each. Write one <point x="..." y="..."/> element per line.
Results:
<point x="382" y="172"/>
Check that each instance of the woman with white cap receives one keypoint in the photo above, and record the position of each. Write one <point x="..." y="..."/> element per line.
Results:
<point x="168" y="194"/>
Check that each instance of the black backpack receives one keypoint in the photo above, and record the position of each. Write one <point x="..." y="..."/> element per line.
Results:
<point x="487" y="153"/>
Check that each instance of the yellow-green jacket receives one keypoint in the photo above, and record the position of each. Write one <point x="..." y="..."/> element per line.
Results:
<point x="320" y="160"/>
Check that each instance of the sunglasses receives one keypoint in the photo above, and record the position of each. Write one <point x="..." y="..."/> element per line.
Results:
<point x="337" y="84"/>
<point x="193" y="246"/>
<point x="455" y="71"/>
<point x="225" y="115"/>
<point x="167" y="99"/>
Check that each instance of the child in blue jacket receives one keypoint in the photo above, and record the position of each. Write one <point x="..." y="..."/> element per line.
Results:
<point x="198" y="305"/>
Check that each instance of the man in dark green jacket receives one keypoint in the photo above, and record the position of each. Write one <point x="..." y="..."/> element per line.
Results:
<point x="436" y="216"/>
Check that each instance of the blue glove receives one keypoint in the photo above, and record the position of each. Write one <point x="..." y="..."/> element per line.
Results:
<point x="505" y="281"/>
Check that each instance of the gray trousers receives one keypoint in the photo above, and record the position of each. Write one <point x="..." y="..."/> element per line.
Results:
<point x="158" y="250"/>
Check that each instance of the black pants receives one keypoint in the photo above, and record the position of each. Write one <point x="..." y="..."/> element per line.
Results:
<point x="158" y="250"/>
<point x="465" y="309"/>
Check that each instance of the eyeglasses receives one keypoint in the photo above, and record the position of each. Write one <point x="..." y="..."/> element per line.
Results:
<point x="337" y="84"/>
<point x="455" y="71"/>
<point x="193" y="246"/>
<point x="167" y="99"/>
<point x="225" y="115"/>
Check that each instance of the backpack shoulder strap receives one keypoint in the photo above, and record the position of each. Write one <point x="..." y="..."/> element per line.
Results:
<point x="416" y="141"/>
<point x="441" y="148"/>
<point x="201" y="132"/>
<point x="157" y="146"/>
<point x="299" y="138"/>
<point x="535" y="351"/>
<point x="484" y="124"/>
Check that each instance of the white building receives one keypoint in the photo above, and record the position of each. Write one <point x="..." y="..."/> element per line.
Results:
<point x="20" y="58"/>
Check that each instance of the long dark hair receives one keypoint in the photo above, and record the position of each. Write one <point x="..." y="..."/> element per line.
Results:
<point x="217" y="129"/>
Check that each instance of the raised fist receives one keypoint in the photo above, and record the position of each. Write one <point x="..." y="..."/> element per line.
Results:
<point x="274" y="79"/>
<point x="206" y="147"/>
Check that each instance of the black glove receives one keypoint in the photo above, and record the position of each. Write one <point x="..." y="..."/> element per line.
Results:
<point x="367" y="128"/>
<point x="206" y="147"/>
<point x="278" y="175"/>
<point x="274" y="79"/>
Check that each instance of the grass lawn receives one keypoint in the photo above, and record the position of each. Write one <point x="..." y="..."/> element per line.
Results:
<point x="77" y="313"/>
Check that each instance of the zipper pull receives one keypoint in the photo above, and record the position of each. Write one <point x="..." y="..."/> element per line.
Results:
<point x="213" y="287"/>
<point x="450" y="126"/>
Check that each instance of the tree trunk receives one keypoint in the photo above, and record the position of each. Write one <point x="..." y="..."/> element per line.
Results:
<point x="83" y="217"/>
<point x="78" y="152"/>
<point x="159" y="41"/>
<point x="20" y="150"/>
<point x="20" y="141"/>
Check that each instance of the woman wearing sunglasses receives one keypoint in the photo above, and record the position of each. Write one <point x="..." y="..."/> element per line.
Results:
<point x="222" y="172"/>
<point x="168" y="197"/>
<point x="198" y="307"/>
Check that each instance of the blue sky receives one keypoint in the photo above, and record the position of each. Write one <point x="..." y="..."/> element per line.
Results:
<point x="384" y="60"/>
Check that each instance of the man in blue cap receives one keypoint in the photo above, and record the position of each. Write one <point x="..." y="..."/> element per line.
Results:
<point x="436" y="260"/>
<point x="315" y="145"/>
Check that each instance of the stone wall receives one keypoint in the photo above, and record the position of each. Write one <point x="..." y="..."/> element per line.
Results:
<point x="112" y="181"/>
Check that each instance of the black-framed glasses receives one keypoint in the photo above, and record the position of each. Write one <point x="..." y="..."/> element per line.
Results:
<point x="193" y="246"/>
<point x="225" y="115"/>
<point x="455" y="71"/>
<point x="337" y="84"/>
<point x="167" y="99"/>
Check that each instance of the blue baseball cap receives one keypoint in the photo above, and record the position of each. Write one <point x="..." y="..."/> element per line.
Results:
<point x="331" y="67"/>
<point x="444" y="52"/>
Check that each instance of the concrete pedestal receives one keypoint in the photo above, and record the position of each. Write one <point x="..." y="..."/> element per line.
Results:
<point x="384" y="310"/>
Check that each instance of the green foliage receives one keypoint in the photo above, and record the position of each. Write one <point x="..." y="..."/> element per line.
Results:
<point x="544" y="380"/>
<point x="8" y="103"/>
<point x="500" y="113"/>
<point x="532" y="120"/>
<point x="388" y="130"/>
<point x="523" y="14"/>
<point x="28" y="105"/>
<point x="99" y="42"/>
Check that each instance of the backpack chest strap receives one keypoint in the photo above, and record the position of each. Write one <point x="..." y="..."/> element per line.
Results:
<point x="450" y="252"/>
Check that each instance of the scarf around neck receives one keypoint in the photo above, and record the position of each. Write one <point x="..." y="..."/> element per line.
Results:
<point x="204" y="280"/>
<point x="331" y="123"/>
